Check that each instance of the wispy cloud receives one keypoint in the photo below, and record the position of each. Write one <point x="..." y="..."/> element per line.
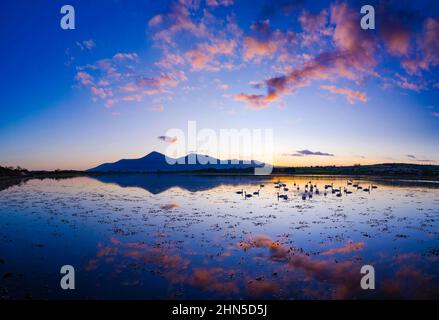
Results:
<point x="157" y="108"/>
<point x="126" y="56"/>
<point x="217" y="3"/>
<point x="86" y="44"/>
<point x="415" y="158"/>
<point x="351" y="95"/>
<point x="304" y="153"/>
<point x="167" y="139"/>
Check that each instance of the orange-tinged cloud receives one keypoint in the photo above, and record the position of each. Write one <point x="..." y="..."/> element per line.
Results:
<point x="348" y="248"/>
<point x="255" y="49"/>
<point x="203" y="57"/>
<point x="157" y="108"/>
<point x="257" y="101"/>
<point x="212" y="279"/>
<point x="351" y="95"/>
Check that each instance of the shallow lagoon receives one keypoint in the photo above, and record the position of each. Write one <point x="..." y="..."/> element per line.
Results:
<point x="189" y="237"/>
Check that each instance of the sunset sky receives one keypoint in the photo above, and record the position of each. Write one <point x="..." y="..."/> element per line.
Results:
<point x="332" y="92"/>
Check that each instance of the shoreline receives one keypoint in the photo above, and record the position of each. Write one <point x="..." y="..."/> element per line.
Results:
<point x="354" y="176"/>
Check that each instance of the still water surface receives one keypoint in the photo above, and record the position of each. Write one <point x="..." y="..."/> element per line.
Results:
<point x="194" y="237"/>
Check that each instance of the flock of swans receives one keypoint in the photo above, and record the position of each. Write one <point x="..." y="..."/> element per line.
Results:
<point x="309" y="190"/>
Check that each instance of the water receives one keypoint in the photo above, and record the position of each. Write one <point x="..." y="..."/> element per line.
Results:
<point x="193" y="237"/>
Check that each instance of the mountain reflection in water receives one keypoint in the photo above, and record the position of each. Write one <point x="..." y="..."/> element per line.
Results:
<point x="188" y="236"/>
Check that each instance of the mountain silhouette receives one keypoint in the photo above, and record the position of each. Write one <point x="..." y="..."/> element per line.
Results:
<point x="157" y="162"/>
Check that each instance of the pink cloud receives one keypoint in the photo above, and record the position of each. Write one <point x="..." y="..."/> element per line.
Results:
<point x="125" y="56"/>
<point x="255" y="49"/>
<point x="151" y="85"/>
<point x="203" y="56"/>
<point x="314" y="27"/>
<point x="405" y="83"/>
<point x="102" y="93"/>
<point x="110" y="102"/>
<point x="133" y="98"/>
<point x="213" y="279"/>
<point x="157" y="108"/>
<point x="265" y="42"/>
<point x="427" y="48"/>
<point x="348" y="248"/>
<point x="177" y="20"/>
<point x="156" y="20"/>
<point x="396" y="37"/>
<point x="84" y="78"/>
<point x="170" y="60"/>
<point x="86" y="44"/>
<point x="351" y="95"/>
<point x="353" y="58"/>
<point x="217" y="3"/>
<point x="256" y="101"/>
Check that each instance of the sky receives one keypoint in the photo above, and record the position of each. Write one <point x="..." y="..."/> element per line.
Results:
<point x="112" y="88"/>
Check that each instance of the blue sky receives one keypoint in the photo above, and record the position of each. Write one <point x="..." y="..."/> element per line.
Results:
<point x="131" y="70"/>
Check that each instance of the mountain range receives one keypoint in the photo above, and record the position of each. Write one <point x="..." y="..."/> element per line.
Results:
<point x="158" y="162"/>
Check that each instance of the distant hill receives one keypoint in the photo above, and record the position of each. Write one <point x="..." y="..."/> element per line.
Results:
<point x="397" y="170"/>
<point x="157" y="162"/>
<point x="12" y="172"/>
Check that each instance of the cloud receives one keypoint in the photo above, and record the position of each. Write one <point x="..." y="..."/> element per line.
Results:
<point x="348" y="248"/>
<point x="256" y="101"/>
<point x="170" y="206"/>
<point x="170" y="60"/>
<point x="147" y="86"/>
<point x="260" y="288"/>
<point x="167" y="139"/>
<point x="125" y="56"/>
<point x="265" y="42"/>
<point x="86" y="44"/>
<point x="353" y="58"/>
<point x="351" y="95"/>
<point x="157" y="108"/>
<point x="133" y="98"/>
<point x="396" y="36"/>
<point x="415" y="158"/>
<point x="210" y="42"/>
<point x="342" y="275"/>
<point x="84" y="78"/>
<point x="221" y="86"/>
<point x="177" y="20"/>
<point x="217" y="3"/>
<point x="170" y="79"/>
<point x="255" y="49"/>
<point x="102" y="93"/>
<point x="203" y="56"/>
<point x="314" y="27"/>
<point x="213" y="279"/>
<point x="302" y="153"/>
<point x="111" y="102"/>
<point x="427" y="53"/>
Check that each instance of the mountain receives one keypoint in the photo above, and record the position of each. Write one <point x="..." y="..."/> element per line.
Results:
<point x="157" y="162"/>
